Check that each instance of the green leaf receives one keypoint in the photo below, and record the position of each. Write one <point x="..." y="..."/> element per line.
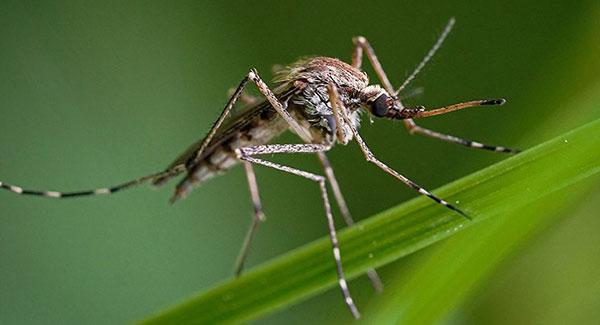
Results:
<point x="431" y="288"/>
<point x="495" y="191"/>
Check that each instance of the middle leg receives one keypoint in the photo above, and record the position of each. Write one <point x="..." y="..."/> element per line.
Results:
<point x="341" y="202"/>
<point x="246" y="154"/>
<point x="259" y="216"/>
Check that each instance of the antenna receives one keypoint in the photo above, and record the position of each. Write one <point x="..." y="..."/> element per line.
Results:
<point x="429" y="55"/>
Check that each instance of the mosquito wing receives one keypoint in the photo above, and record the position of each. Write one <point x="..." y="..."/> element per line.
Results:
<point x="238" y="120"/>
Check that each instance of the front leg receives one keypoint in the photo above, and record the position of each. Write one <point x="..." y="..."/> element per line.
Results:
<point x="361" y="44"/>
<point x="336" y="105"/>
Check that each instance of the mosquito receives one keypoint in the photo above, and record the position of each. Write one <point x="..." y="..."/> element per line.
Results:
<point x="320" y="99"/>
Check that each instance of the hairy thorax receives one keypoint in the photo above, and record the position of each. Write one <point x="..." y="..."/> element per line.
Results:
<point x="312" y="77"/>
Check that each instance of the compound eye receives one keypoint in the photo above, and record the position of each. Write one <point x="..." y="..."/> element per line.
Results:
<point x="380" y="106"/>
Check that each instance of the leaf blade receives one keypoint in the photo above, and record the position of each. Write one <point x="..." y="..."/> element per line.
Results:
<point x="397" y="232"/>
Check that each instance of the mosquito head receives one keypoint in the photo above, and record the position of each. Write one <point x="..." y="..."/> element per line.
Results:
<point x="381" y="106"/>
<point x="379" y="102"/>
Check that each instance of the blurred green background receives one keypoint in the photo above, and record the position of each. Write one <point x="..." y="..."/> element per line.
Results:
<point x="95" y="93"/>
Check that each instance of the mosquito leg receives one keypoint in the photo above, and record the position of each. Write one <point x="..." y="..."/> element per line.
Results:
<point x="278" y="106"/>
<point x="196" y="155"/>
<point x="99" y="191"/>
<point x="246" y="154"/>
<point x="341" y="110"/>
<point x="413" y="128"/>
<point x="259" y="216"/>
<point x="361" y="44"/>
<point x="341" y="202"/>
<point x="213" y="130"/>
<point x="372" y="159"/>
<point x="337" y="193"/>
<point x="246" y="99"/>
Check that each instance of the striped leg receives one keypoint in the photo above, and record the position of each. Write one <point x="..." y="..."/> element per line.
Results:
<point x="336" y="106"/>
<point x="421" y="113"/>
<point x="341" y="202"/>
<point x="372" y="159"/>
<point x="98" y="191"/>
<point x="259" y="216"/>
<point x="246" y="154"/>
<point x="413" y="128"/>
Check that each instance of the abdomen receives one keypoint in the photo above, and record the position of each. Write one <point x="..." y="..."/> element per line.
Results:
<point x="220" y="156"/>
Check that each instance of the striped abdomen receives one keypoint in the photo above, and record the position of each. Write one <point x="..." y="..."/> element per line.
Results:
<point x="220" y="156"/>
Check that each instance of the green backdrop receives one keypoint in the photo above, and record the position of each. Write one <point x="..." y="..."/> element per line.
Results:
<point x="95" y="93"/>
